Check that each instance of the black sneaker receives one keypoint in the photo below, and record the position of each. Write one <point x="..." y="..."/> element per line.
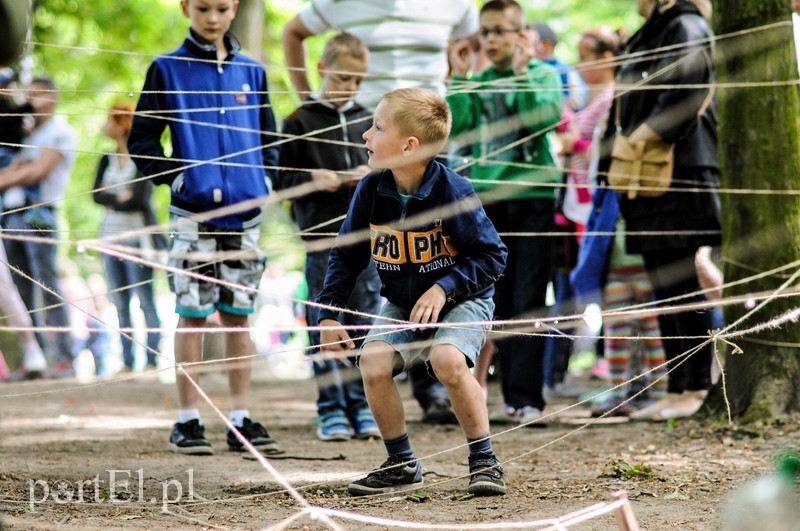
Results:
<point x="256" y="434"/>
<point x="400" y="476"/>
<point x="485" y="476"/>
<point x="189" y="438"/>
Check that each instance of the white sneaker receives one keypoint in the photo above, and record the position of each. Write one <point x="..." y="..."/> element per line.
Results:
<point x="528" y="415"/>
<point x="652" y="411"/>
<point x="688" y="404"/>
<point x="504" y="415"/>
<point x="33" y="359"/>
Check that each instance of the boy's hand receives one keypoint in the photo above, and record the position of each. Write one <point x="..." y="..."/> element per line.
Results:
<point x="525" y="50"/>
<point x="427" y="308"/>
<point x="354" y="176"/>
<point x="326" y="180"/>
<point x="334" y="337"/>
<point x="460" y="53"/>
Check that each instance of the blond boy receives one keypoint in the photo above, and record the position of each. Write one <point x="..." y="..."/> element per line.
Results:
<point x="438" y="256"/>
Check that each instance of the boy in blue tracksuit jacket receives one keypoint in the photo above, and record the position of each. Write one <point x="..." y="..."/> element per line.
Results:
<point x="214" y="101"/>
<point x="438" y="256"/>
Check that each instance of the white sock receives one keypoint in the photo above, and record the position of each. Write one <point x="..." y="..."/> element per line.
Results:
<point x="237" y="416"/>
<point x="33" y="358"/>
<point x="185" y="415"/>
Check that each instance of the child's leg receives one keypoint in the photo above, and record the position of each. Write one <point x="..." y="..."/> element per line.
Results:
<point x="651" y="332"/>
<point x="188" y="349"/>
<point x="466" y="394"/>
<point x="618" y="295"/>
<point x="482" y="365"/>
<point x="238" y="345"/>
<point x="376" y="363"/>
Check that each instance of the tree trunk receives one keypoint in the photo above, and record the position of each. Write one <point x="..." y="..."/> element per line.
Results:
<point x="759" y="141"/>
<point x="248" y="26"/>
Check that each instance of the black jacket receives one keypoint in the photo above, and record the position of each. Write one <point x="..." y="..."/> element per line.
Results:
<point x="139" y="201"/>
<point x="308" y="153"/>
<point x="672" y="113"/>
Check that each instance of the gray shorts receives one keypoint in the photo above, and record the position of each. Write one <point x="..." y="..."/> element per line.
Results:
<point x="412" y="345"/>
<point x="233" y="257"/>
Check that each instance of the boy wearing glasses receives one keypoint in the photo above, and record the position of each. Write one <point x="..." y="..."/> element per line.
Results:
<point x="507" y="114"/>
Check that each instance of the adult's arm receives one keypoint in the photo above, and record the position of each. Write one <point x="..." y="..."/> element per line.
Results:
<point x="294" y="53"/>
<point x="30" y="173"/>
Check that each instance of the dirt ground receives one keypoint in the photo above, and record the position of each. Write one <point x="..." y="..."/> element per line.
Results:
<point x="88" y="457"/>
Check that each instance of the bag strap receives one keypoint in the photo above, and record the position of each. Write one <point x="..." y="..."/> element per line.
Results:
<point x="703" y="107"/>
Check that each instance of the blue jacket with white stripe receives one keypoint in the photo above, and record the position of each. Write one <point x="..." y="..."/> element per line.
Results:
<point x="221" y="126"/>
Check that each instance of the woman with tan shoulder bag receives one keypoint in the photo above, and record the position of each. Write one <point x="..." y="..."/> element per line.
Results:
<point x="669" y="211"/>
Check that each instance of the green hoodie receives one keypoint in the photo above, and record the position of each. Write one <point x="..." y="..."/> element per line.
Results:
<point x="491" y="115"/>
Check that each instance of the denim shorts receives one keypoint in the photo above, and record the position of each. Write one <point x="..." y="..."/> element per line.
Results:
<point x="412" y="345"/>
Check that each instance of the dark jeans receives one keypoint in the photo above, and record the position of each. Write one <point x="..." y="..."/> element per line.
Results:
<point x="673" y="273"/>
<point x="520" y="294"/>
<point x="339" y="389"/>
<point x="126" y="278"/>
<point x="38" y="261"/>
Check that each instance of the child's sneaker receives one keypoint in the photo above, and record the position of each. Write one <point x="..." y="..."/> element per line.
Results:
<point x="529" y="416"/>
<point x="365" y="426"/>
<point x="256" y="434"/>
<point x="189" y="438"/>
<point x="504" y="415"/>
<point x="612" y="407"/>
<point x="400" y="476"/>
<point x="485" y="476"/>
<point x="333" y="426"/>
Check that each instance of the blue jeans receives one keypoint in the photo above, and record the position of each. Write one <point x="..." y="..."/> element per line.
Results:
<point x="38" y="261"/>
<point x="520" y="294"/>
<point x="557" y="347"/>
<point x="126" y="278"/>
<point x="98" y="343"/>
<point x="337" y="389"/>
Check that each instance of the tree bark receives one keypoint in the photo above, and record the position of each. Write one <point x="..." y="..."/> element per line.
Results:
<point x="759" y="141"/>
<point x="248" y="26"/>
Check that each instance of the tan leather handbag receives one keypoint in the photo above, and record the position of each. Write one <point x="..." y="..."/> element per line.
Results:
<point x="641" y="168"/>
<point x="645" y="168"/>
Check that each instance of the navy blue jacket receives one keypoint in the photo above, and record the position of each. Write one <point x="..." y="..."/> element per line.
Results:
<point x="212" y="113"/>
<point x="442" y="236"/>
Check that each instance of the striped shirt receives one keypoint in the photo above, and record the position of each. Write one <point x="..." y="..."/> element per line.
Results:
<point x="407" y="39"/>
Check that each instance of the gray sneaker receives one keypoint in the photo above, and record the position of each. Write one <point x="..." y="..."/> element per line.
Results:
<point x="393" y="475"/>
<point x="485" y="476"/>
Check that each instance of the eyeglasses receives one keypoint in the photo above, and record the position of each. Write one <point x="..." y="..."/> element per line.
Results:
<point x="498" y="32"/>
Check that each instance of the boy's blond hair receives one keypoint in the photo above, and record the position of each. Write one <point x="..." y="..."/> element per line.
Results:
<point x="343" y="43"/>
<point x="420" y="113"/>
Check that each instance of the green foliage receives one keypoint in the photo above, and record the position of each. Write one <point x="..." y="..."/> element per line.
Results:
<point x="624" y="470"/>
<point x="569" y="18"/>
